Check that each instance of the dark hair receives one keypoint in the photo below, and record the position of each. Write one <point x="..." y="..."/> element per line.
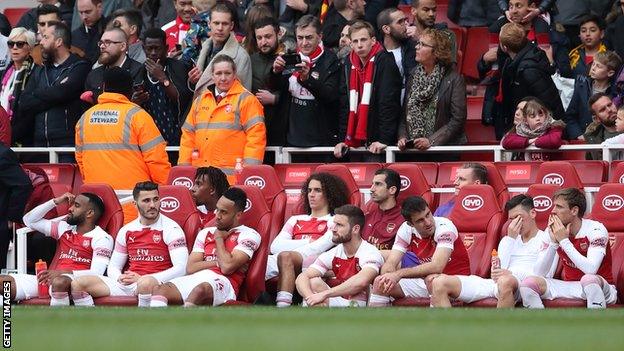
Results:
<point x="143" y="186"/>
<point x="223" y="7"/>
<point x="596" y="97"/>
<point x="216" y="177"/>
<point x="520" y="200"/>
<point x="411" y="205"/>
<point x="353" y="213"/>
<point x="383" y="18"/>
<point x="308" y="20"/>
<point x="251" y="44"/>
<point x="223" y="58"/>
<point x="132" y="16"/>
<point x="61" y="30"/>
<point x="155" y="33"/>
<point x="574" y="197"/>
<point x="238" y="196"/>
<point x="479" y="171"/>
<point x="96" y="204"/>
<point x="334" y="189"/>
<point x="393" y="179"/>
<point x="117" y="80"/>
<point x="48" y="9"/>
<point x="592" y="17"/>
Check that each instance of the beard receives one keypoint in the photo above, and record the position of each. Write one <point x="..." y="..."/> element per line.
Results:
<point x="107" y="59"/>
<point x="147" y="215"/>
<point x="48" y="55"/>
<point x="72" y="220"/>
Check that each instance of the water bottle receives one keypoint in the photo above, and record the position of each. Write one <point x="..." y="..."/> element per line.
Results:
<point x="42" y="266"/>
<point x="496" y="263"/>
<point x="238" y="170"/>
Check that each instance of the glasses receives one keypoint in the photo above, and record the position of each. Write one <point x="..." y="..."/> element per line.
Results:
<point x="106" y="43"/>
<point x="421" y="44"/>
<point x="18" y="44"/>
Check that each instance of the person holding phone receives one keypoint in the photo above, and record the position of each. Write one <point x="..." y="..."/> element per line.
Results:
<point x="176" y="29"/>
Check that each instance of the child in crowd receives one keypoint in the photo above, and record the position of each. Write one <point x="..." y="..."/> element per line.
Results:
<point x="618" y="139"/>
<point x="591" y="34"/>
<point x="537" y="127"/>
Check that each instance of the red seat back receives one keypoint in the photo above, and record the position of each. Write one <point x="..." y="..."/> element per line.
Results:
<point x="59" y="173"/>
<point x="14" y="14"/>
<point x="448" y="170"/>
<point x="617" y="172"/>
<point x="363" y="172"/>
<point x="182" y="176"/>
<point x="592" y="172"/>
<point x="559" y="173"/>
<point x="518" y="173"/>
<point x="478" y="219"/>
<point x="542" y="195"/>
<point x="342" y="172"/>
<point x="177" y="203"/>
<point x="413" y="182"/>
<point x="460" y="39"/>
<point x="474" y="106"/>
<point x="112" y="218"/>
<point x="292" y="177"/>
<point x="257" y="216"/>
<point x="477" y="43"/>
<point x="264" y="178"/>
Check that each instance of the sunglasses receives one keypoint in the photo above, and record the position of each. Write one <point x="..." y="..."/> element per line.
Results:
<point x="18" y="44"/>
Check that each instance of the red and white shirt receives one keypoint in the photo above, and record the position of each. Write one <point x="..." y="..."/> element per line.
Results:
<point x="158" y="250"/>
<point x="304" y="233"/>
<point x="381" y="226"/>
<point x="176" y="32"/>
<point x="241" y="238"/>
<point x="82" y="253"/>
<point x="445" y="236"/>
<point x="344" y="267"/>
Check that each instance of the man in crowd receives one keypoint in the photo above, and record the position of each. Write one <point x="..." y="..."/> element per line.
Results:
<point x="604" y="113"/>
<point x="342" y="12"/>
<point x="468" y="174"/>
<point x="384" y="218"/>
<point x="130" y="21"/>
<point x="176" y="29"/>
<point x="88" y="34"/>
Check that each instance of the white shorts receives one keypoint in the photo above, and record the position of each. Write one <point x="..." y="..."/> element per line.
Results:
<point x="221" y="287"/>
<point x="342" y="302"/>
<point x="556" y="288"/>
<point x="272" y="269"/>
<point x="414" y="287"/>
<point x="27" y="287"/>
<point x="474" y="288"/>
<point x="118" y="289"/>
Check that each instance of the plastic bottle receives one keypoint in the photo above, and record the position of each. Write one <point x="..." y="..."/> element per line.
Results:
<point x="42" y="266"/>
<point x="496" y="263"/>
<point x="238" y="170"/>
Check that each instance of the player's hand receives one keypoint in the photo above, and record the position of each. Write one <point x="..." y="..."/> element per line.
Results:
<point x="67" y="197"/>
<point x="422" y="143"/>
<point x="155" y="69"/>
<point x="376" y="147"/>
<point x="194" y="75"/>
<point x="558" y="230"/>
<point x="497" y="273"/>
<point x="265" y="97"/>
<point x="388" y="281"/>
<point x="491" y="55"/>
<point x="140" y="97"/>
<point x="279" y="64"/>
<point x="531" y="15"/>
<point x="338" y="149"/>
<point x="221" y="234"/>
<point x="128" y="278"/>
<point x="47" y="276"/>
<point x="514" y="228"/>
<point x="429" y="280"/>
<point x="316" y="299"/>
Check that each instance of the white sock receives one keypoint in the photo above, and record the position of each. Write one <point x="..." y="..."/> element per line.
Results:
<point x="595" y="296"/>
<point x="189" y="304"/>
<point x="530" y="298"/>
<point x="82" y="298"/>
<point x="378" y="301"/>
<point x="284" y="299"/>
<point x="156" y="301"/>
<point x="60" y="298"/>
<point x="144" y="300"/>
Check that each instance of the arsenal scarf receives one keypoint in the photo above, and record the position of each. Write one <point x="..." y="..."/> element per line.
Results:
<point x="360" y="84"/>
<point x="310" y="60"/>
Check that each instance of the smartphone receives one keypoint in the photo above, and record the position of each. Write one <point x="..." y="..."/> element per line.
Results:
<point x="178" y="47"/>
<point x="138" y="87"/>
<point x="292" y="59"/>
<point x="409" y="144"/>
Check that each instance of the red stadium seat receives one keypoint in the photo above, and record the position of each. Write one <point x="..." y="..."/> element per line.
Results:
<point x="617" y="172"/>
<point x="591" y="172"/>
<point x="560" y="173"/>
<point x="62" y="175"/>
<point x="343" y="172"/>
<point x="177" y="203"/>
<point x="542" y="195"/>
<point x="446" y="179"/>
<point x="460" y="39"/>
<point x="363" y="172"/>
<point x="182" y="175"/>
<point x="413" y="182"/>
<point x="14" y="14"/>
<point x="477" y="43"/>
<point x="518" y="173"/>
<point x="474" y="106"/>
<point x="292" y="176"/>
<point x="442" y="17"/>
<point x="265" y="178"/>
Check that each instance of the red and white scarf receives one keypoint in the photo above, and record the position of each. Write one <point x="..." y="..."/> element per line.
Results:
<point x="360" y="84"/>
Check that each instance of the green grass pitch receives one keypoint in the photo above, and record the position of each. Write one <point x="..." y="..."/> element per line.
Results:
<point x="265" y="328"/>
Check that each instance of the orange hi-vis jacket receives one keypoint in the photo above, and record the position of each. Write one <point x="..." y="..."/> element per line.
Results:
<point x="118" y="143"/>
<point x="217" y="134"/>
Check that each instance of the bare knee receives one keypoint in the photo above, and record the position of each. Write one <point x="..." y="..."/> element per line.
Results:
<point x="588" y="279"/>
<point x="439" y="285"/>
<point x="536" y="284"/>
<point x="61" y="284"/>
<point x="285" y="260"/>
<point x="146" y="284"/>
<point x="318" y="284"/>
<point x="201" y="294"/>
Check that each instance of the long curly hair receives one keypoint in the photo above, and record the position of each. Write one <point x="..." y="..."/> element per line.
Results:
<point x="334" y="189"/>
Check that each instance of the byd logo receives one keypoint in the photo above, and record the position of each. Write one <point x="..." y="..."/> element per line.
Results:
<point x="472" y="202"/>
<point x="248" y="205"/>
<point x="405" y="183"/>
<point x="542" y="203"/>
<point x="183" y="181"/>
<point x="612" y="203"/>
<point x="255" y="181"/>
<point x="553" y="178"/>
<point x="169" y="204"/>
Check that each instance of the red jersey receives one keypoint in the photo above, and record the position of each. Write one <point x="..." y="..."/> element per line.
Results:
<point x="75" y="250"/>
<point x="176" y="32"/>
<point x="381" y="226"/>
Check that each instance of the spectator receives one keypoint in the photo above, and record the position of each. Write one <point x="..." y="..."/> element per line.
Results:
<point x="108" y="7"/>
<point x="5" y="26"/>
<point x="222" y="41"/>
<point x="164" y="93"/>
<point x="392" y="26"/>
<point x="176" y="29"/>
<point x="474" y="13"/>
<point x="13" y="80"/>
<point x="538" y="128"/>
<point x="198" y="32"/>
<point x="525" y="73"/>
<point x="308" y="94"/>
<point x="113" y="47"/>
<point x="569" y="15"/>
<point x="435" y="100"/>
<point x="344" y="46"/>
<point x="613" y="39"/>
<point x="47" y="14"/>
<point x="156" y="13"/>
<point x="30" y="18"/>
<point x="618" y="139"/>
<point x="232" y="132"/>
<point x="601" y="76"/>
<point x="51" y="98"/>
<point x="425" y="12"/>
<point x="468" y="174"/>
<point x="130" y="21"/>
<point x="254" y="14"/>
<point x="88" y="34"/>
<point x="539" y="8"/>
<point x="591" y="34"/>
<point x="370" y="95"/>
<point x="603" y="127"/>
<point x="338" y="15"/>
<point x="292" y="12"/>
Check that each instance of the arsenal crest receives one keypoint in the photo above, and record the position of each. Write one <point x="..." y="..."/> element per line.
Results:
<point x="85" y="243"/>
<point x="228" y="108"/>
<point x="322" y="227"/>
<point x="468" y="240"/>
<point x="390" y="227"/>
<point x="156" y="237"/>
<point x="583" y="246"/>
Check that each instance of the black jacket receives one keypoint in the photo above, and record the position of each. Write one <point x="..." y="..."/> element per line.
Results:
<point x="578" y="116"/>
<point x="384" y="109"/>
<point x="261" y="78"/>
<point x="15" y="187"/>
<point x="613" y="36"/>
<point x="332" y="27"/>
<point x="88" y="41"/>
<point x="95" y="79"/>
<point x="55" y="105"/>
<point x="528" y="74"/>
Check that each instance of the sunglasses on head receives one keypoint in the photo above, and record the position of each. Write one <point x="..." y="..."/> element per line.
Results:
<point x="18" y="44"/>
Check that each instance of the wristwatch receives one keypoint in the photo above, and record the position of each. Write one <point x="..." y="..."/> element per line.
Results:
<point x="166" y="82"/>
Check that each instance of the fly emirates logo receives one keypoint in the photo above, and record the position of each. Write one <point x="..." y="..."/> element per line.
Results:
<point x="145" y="256"/>
<point x="74" y="256"/>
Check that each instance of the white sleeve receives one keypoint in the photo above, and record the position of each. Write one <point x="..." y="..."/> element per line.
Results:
<point x="373" y="260"/>
<point x="119" y="257"/>
<point x="505" y="248"/>
<point x="445" y="237"/>
<point x="403" y="238"/>
<point x="248" y="242"/>
<point x="102" y="250"/>
<point x="284" y="241"/>
<point x="618" y="139"/>
<point x="35" y="221"/>
<point x="598" y="239"/>
<point x="318" y="246"/>
<point x="175" y="240"/>
<point x="546" y="257"/>
<point x="200" y="241"/>
<point x="324" y="262"/>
